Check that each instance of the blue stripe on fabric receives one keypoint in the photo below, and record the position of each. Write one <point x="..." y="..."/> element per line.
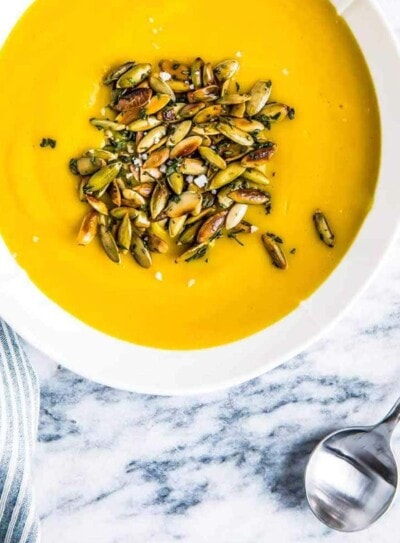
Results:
<point x="24" y="468"/>
<point x="19" y="398"/>
<point x="17" y="459"/>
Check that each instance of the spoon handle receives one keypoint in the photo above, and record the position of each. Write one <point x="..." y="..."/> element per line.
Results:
<point x="392" y="419"/>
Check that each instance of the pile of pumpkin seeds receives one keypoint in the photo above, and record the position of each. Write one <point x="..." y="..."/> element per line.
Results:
<point x="183" y="158"/>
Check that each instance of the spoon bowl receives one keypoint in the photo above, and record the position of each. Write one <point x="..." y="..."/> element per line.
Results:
<point x="351" y="477"/>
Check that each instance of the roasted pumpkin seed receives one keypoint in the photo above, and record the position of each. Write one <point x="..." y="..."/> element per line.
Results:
<point x="134" y="76"/>
<point x="81" y="189"/>
<point x="156" y="244"/>
<point x="190" y="110"/>
<point x="143" y="124"/>
<point x="157" y="158"/>
<point x="89" y="165"/>
<point x="179" y="87"/>
<point x="208" y="114"/>
<point x="238" y="110"/>
<point x="206" y="129"/>
<point x="259" y="157"/>
<point x="197" y="72"/>
<point x="151" y="138"/>
<point x="259" y="96"/>
<point x="131" y="103"/>
<point x="179" y="132"/>
<point x="186" y="147"/>
<point x="150" y="175"/>
<point x="247" y="125"/>
<point x="226" y="176"/>
<point x="88" y="229"/>
<point x="116" y="73"/>
<point x="157" y="103"/>
<point x="274" y="112"/>
<point x="206" y="141"/>
<point x="115" y="193"/>
<point x="103" y="178"/>
<point x="97" y="204"/>
<point x="183" y="204"/>
<point x="212" y="157"/>
<point x="189" y="234"/>
<point x="109" y="244"/>
<point x="103" y="154"/>
<point x="229" y="150"/>
<point x="205" y="94"/>
<point x="175" y="226"/>
<point x="125" y="234"/>
<point x="249" y="196"/>
<point x="192" y="166"/>
<point x="275" y="251"/>
<point x="236" y="215"/>
<point x="145" y="189"/>
<point x="211" y="226"/>
<point x="175" y="69"/>
<point x="176" y="181"/>
<point x="323" y="229"/>
<point x="142" y="220"/>
<point x="208" y="75"/>
<point x="234" y="99"/>
<point x="159" y="200"/>
<point x="161" y="87"/>
<point x="234" y="134"/>
<point x="137" y="200"/>
<point x="202" y="215"/>
<point x="223" y="194"/>
<point x="106" y="124"/>
<point x="140" y="252"/>
<point x="251" y="174"/>
<point x="263" y="136"/>
<point x="120" y="212"/>
<point x="158" y="145"/>
<point x="226" y="69"/>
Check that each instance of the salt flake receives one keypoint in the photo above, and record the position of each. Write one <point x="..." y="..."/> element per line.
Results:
<point x="201" y="181"/>
<point x="165" y="76"/>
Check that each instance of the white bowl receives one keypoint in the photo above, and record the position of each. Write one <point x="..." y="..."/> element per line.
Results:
<point x="126" y="366"/>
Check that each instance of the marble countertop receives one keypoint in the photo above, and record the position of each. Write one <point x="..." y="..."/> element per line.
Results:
<point x="115" y="467"/>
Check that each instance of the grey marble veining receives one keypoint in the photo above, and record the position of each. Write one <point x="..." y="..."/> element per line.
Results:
<point x="115" y="467"/>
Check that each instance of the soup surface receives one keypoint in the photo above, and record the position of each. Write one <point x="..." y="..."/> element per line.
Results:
<point x="51" y="69"/>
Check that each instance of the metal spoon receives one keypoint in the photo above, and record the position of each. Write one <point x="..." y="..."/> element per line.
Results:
<point x="351" y="477"/>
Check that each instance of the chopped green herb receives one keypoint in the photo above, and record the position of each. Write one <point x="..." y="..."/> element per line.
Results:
<point x="48" y="142"/>
<point x="73" y="166"/>
<point x="199" y="254"/>
<point x="217" y="235"/>
<point x="233" y="235"/>
<point x="274" y="237"/>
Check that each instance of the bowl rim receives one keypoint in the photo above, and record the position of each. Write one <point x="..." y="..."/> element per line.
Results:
<point x="74" y="344"/>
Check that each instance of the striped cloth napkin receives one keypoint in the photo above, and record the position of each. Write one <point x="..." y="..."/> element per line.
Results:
<point x="19" y="410"/>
